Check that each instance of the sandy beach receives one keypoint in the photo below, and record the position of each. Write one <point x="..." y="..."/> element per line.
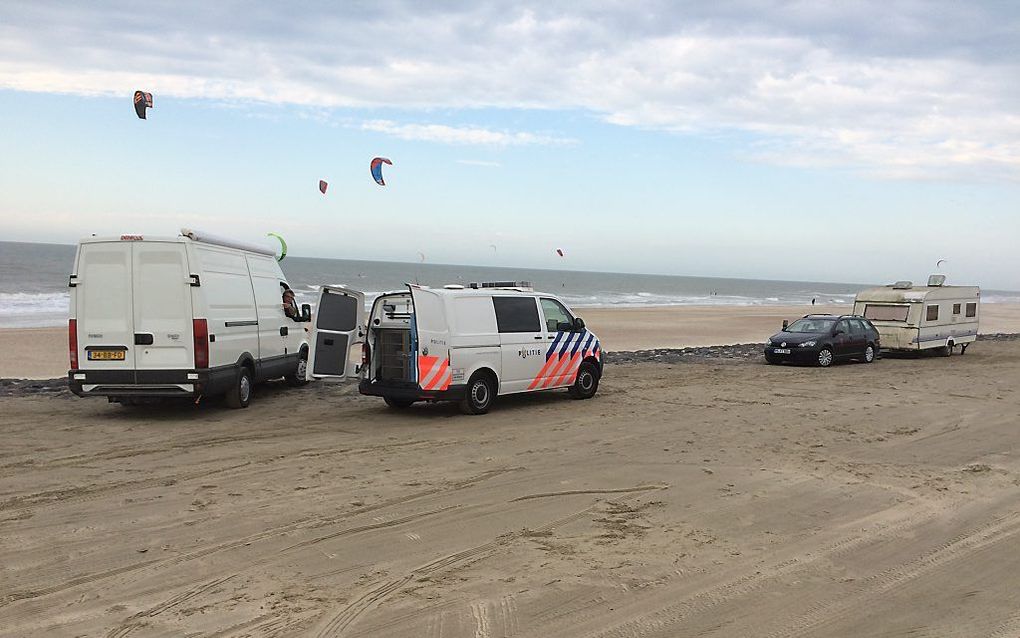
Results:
<point x="41" y="353"/>
<point x="716" y="498"/>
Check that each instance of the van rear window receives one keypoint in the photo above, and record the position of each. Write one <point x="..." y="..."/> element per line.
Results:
<point x="516" y="314"/>
<point x="886" y="313"/>
<point x="337" y="312"/>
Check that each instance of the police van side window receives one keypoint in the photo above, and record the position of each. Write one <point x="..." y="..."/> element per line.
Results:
<point x="516" y="314"/>
<point x="555" y="314"/>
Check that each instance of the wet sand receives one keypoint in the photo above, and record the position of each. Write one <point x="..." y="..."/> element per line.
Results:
<point x="717" y="498"/>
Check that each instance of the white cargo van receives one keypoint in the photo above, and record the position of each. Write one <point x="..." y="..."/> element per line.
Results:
<point x="194" y="315"/>
<point x="456" y="343"/>
<point x="910" y="317"/>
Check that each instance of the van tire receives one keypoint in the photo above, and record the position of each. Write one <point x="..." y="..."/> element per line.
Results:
<point x="239" y="396"/>
<point x="398" y="404"/>
<point x="298" y="379"/>
<point x="587" y="382"/>
<point x="478" y="394"/>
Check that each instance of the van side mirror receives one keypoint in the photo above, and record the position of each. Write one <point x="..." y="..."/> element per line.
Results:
<point x="578" y="324"/>
<point x="786" y="324"/>
<point x="306" y="312"/>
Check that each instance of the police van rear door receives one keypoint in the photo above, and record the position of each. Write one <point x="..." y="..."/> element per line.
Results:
<point x="338" y="332"/>
<point x="431" y="339"/>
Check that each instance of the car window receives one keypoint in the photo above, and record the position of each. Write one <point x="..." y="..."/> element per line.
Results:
<point x="516" y="314"/>
<point x="844" y="325"/>
<point x="811" y="325"/>
<point x="555" y="314"/>
<point x="858" y="327"/>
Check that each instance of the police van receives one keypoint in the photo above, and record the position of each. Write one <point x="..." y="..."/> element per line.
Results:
<point x="455" y="343"/>
<point x="187" y="316"/>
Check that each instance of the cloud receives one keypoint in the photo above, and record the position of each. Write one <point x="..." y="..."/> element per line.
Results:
<point x="906" y="89"/>
<point x="461" y="134"/>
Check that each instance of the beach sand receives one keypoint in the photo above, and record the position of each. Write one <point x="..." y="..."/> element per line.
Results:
<point x="716" y="498"/>
<point x="41" y="353"/>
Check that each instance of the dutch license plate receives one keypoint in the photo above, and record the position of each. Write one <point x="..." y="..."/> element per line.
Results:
<point x="781" y="351"/>
<point x="106" y="355"/>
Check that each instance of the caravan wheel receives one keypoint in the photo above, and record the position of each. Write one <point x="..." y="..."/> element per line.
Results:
<point x="947" y="351"/>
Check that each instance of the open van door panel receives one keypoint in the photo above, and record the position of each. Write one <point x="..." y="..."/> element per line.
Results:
<point x="337" y="334"/>
<point x="431" y="340"/>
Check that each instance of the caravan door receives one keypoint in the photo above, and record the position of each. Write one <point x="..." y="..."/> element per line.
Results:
<point x="430" y="340"/>
<point x="338" y="331"/>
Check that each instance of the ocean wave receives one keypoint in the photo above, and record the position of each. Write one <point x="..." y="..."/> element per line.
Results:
<point x="27" y="303"/>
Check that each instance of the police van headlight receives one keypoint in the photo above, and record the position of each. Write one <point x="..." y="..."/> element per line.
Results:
<point x="808" y="344"/>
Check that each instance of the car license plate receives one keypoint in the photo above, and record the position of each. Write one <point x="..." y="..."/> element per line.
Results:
<point x="781" y="351"/>
<point x="106" y="355"/>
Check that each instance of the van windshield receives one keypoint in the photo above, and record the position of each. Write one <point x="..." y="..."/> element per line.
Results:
<point x="813" y="325"/>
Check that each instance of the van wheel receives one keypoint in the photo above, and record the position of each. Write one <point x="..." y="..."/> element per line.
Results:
<point x="479" y="394"/>
<point x="587" y="382"/>
<point x="239" y="396"/>
<point x="825" y="357"/>
<point x="398" y="404"/>
<point x="869" y="354"/>
<point x="298" y="378"/>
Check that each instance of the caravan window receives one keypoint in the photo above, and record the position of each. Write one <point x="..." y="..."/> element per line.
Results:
<point x="972" y="310"/>
<point x="956" y="308"/>
<point x="516" y="314"/>
<point x="886" y="313"/>
<point x="932" y="313"/>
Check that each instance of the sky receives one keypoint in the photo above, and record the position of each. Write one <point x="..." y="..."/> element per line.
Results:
<point x="842" y="141"/>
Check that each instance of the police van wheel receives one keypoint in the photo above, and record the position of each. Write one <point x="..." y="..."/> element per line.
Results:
<point x="587" y="382"/>
<point x="298" y="378"/>
<point x="239" y="396"/>
<point x="398" y="404"/>
<point x="478" y="395"/>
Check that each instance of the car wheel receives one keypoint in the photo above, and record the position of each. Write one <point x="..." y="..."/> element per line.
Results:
<point x="825" y="357"/>
<point x="239" y="396"/>
<point x="478" y="395"/>
<point x="947" y="351"/>
<point x="398" y="404"/>
<point x="298" y="378"/>
<point x="869" y="354"/>
<point x="587" y="382"/>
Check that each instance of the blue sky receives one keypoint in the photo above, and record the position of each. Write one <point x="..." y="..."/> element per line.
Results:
<point x="774" y="140"/>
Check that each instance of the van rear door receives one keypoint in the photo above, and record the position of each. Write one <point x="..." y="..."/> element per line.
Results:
<point x="162" y="307"/>
<point x="104" y="306"/>
<point x="338" y="330"/>
<point x="430" y="339"/>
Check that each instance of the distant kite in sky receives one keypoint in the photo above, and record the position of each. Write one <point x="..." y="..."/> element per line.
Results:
<point x="939" y="263"/>
<point x="142" y="102"/>
<point x="323" y="186"/>
<point x="421" y="257"/>
<point x="559" y="251"/>
<point x="376" y="168"/>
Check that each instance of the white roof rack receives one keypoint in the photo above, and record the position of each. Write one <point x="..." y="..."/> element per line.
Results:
<point x="516" y="285"/>
<point x="208" y="238"/>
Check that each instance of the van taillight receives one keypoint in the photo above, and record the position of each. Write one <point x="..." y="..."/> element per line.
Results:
<point x="201" y="329"/>
<point x="72" y="342"/>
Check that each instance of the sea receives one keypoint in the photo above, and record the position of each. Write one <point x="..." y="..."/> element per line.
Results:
<point x="34" y="293"/>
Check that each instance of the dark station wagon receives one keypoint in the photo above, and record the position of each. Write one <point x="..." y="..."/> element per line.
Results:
<point x="824" y="339"/>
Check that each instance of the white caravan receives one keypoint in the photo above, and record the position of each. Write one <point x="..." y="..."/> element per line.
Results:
<point x="193" y="315"/>
<point x="910" y="317"/>
<point x="456" y="343"/>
